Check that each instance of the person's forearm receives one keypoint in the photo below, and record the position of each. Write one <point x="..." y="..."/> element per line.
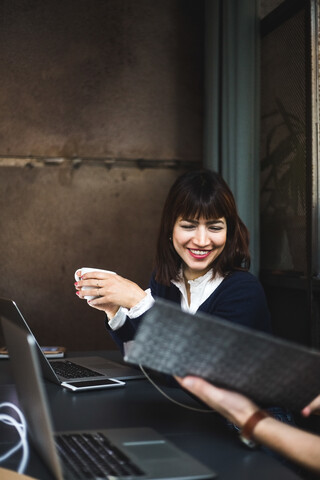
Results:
<point x="299" y="446"/>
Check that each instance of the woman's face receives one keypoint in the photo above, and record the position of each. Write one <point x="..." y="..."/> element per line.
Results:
<point x="198" y="242"/>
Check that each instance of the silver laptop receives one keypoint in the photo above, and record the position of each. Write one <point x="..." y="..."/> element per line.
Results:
<point x="76" y="369"/>
<point x="135" y="453"/>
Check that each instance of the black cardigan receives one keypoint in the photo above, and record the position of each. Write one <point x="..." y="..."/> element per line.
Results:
<point x="239" y="298"/>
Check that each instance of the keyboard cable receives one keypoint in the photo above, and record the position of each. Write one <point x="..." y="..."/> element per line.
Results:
<point x="202" y="410"/>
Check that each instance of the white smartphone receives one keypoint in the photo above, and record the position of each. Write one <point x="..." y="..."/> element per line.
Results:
<point x="81" y="385"/>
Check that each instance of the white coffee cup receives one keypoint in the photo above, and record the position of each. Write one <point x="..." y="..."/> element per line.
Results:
<point x="88" y="270"/>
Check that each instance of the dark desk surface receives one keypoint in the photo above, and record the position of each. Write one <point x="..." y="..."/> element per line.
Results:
<point x="139" y="404"/>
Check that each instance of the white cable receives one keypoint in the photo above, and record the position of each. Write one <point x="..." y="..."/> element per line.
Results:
<point x="21" y="427"/>
<point x="202" y="410"/>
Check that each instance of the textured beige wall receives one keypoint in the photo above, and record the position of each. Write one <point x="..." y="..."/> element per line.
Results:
<point x="57" y="220"/>
<point x="94" y="80"/>
<point x="110" y="78"/>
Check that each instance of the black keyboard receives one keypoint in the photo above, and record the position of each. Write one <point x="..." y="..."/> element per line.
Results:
<point x="91" y="455"/>
<point x="68" y="369"/>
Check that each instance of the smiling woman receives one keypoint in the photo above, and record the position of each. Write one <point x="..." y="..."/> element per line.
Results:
<point x="202" y="263"/>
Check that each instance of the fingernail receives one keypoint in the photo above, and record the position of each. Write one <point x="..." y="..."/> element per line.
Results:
<point x="188" y="381"/>
<point x="77" y="293"/>
<point x="76" y="283"/>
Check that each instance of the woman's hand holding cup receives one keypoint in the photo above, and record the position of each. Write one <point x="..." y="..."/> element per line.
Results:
<point x="107" y="291"/>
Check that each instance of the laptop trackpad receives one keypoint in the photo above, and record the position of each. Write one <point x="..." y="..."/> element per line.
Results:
<point x="94" y="362"/>
<point x="151" y="450"/>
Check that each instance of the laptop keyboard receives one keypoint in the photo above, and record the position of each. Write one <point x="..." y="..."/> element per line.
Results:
<point x="68" y="369"/>
<point x="91" y="455"/>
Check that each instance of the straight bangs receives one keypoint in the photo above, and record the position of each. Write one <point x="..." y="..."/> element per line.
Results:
<point x="208" y="206"/>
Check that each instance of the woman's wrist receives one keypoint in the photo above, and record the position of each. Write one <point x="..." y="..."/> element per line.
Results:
<point x="136" y="299"/>
<point x="247" y="430"/>
<point x="245" y="415"/>
<point x="111" y="312"/>
<point x="141" y="307"/>
<point x="239" y="408"/>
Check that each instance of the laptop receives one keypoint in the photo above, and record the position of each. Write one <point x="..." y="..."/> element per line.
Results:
<point x="76" y="369"/>
<point x="133" y="453"/>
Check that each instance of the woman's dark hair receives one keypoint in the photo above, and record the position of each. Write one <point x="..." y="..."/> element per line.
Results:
<point x="195" y="194"/>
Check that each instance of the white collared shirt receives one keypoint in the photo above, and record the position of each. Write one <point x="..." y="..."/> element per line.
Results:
<point x="200" y="289"/>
